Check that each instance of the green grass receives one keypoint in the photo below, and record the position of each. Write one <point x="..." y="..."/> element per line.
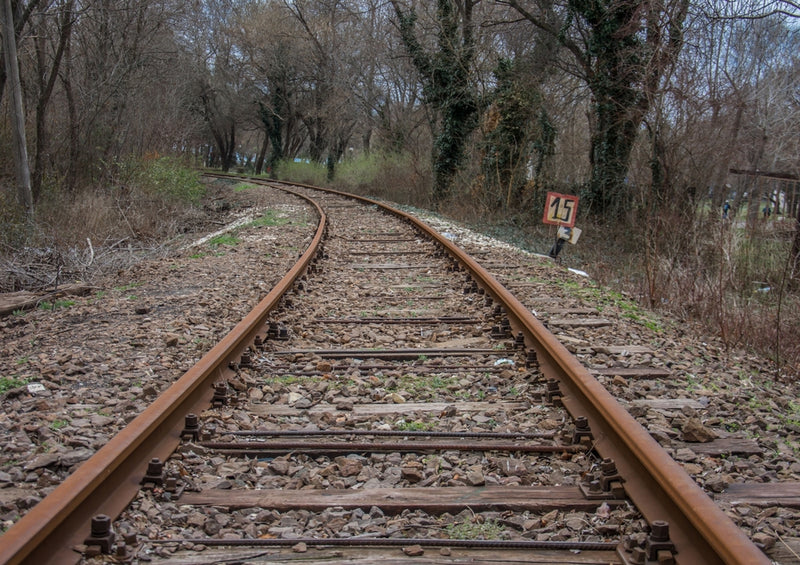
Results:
<point x="603" y="298"/>
<point x="45" y="305"/>
<point x="228" y="239"/>
<point x="58" y="424"/>
<point x="423" y="383"/>
<point x="415" y="426"/>
<point x="8" y="383"/>
<point x="270" y="218"/>
<point x="292" y="379"/>
<point x="487" y="530"/>
<point x="437" y="382"/>
<point x="242" y="186"/>
<point x="732" y="426"/>
<point x="792" y="418"/>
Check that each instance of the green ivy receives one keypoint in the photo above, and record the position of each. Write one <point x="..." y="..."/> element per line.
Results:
<point x="447" y="87"/>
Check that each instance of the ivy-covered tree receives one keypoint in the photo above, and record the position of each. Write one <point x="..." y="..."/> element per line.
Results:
<point x="623" y="49"/>
<point x="448" y="88"/>
<point x="519" y="136"/>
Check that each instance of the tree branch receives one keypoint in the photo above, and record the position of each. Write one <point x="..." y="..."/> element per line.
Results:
<point x="580" y="55"/>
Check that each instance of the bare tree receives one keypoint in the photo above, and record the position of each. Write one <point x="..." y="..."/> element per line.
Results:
<point x="17" y="110"/>
<point x="20" y="13"/>
<point x="328" y="112"/>
<point x="48" y="63"/>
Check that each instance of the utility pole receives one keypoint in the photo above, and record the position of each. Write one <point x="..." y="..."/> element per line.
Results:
<point x="17" y="112"/>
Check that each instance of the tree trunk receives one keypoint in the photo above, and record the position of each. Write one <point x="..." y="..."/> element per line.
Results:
<point x="795" y="271"/>
<point x="612" y="144"/>
<point x="71" y="180"/>
<point x="19" y="18"/>
<point x="273" y="120"/>
<point x="17" y="111"/>
<point x="46" y="84"/>
<point x="229" y="149"/>
<point x="365" y="142"/>
<point x="447" y="85"/>
<point x="262" y="153"/>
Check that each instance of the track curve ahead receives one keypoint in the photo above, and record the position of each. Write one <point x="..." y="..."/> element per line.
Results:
<point x="685" y="525"/>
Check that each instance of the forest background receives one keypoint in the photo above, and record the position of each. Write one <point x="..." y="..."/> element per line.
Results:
<point x="655" y="112"/>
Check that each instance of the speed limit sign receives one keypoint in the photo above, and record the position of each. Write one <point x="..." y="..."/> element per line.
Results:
<point x="560" y="209"/>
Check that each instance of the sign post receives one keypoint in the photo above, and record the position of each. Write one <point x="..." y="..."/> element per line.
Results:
<point x="560" y="210"/>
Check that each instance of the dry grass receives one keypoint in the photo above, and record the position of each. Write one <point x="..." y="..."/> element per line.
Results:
<point x="77" y="235"/>
<point x="731" y="280"/>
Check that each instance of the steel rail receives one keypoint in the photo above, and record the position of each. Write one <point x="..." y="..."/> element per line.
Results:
<point x="656" y="483"/>
<point x="108" y="481"/>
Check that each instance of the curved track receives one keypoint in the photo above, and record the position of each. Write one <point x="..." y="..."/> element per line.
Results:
<point x="685" y="525"/>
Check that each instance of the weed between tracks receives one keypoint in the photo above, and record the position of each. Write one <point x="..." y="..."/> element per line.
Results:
<point x="415" y="426"/>
<point x="489" y="529"/>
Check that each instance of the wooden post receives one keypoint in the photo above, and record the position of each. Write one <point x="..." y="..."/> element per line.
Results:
<point x="17" y="112"/>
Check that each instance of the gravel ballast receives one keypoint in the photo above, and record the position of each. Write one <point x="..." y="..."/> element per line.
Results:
<point x="90" y="365"/>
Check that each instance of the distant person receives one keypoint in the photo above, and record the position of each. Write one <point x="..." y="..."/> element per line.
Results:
<point x="725" y="209"/>
<point x="767" y="212"/>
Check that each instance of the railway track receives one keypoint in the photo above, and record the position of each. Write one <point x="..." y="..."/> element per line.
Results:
<point x="387" y="399"/>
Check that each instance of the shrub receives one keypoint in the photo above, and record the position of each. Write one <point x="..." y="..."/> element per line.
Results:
<point x="167" y="178"/>
<point x="302" y="171"/>
<point x="98" y="225"/>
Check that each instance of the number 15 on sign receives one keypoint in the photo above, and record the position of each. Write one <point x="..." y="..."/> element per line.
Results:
<point x="560" y="209"/>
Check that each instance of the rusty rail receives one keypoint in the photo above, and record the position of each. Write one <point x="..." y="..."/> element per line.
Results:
<point x="109" y="480"/>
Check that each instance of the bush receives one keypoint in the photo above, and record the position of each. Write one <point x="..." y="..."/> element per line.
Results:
<point x="303" y="171"/>
<point x="393" y="176"/>
<point x="167" y="178"/>
<point x="104" y="225"/>
<point x="12" y="218"/>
